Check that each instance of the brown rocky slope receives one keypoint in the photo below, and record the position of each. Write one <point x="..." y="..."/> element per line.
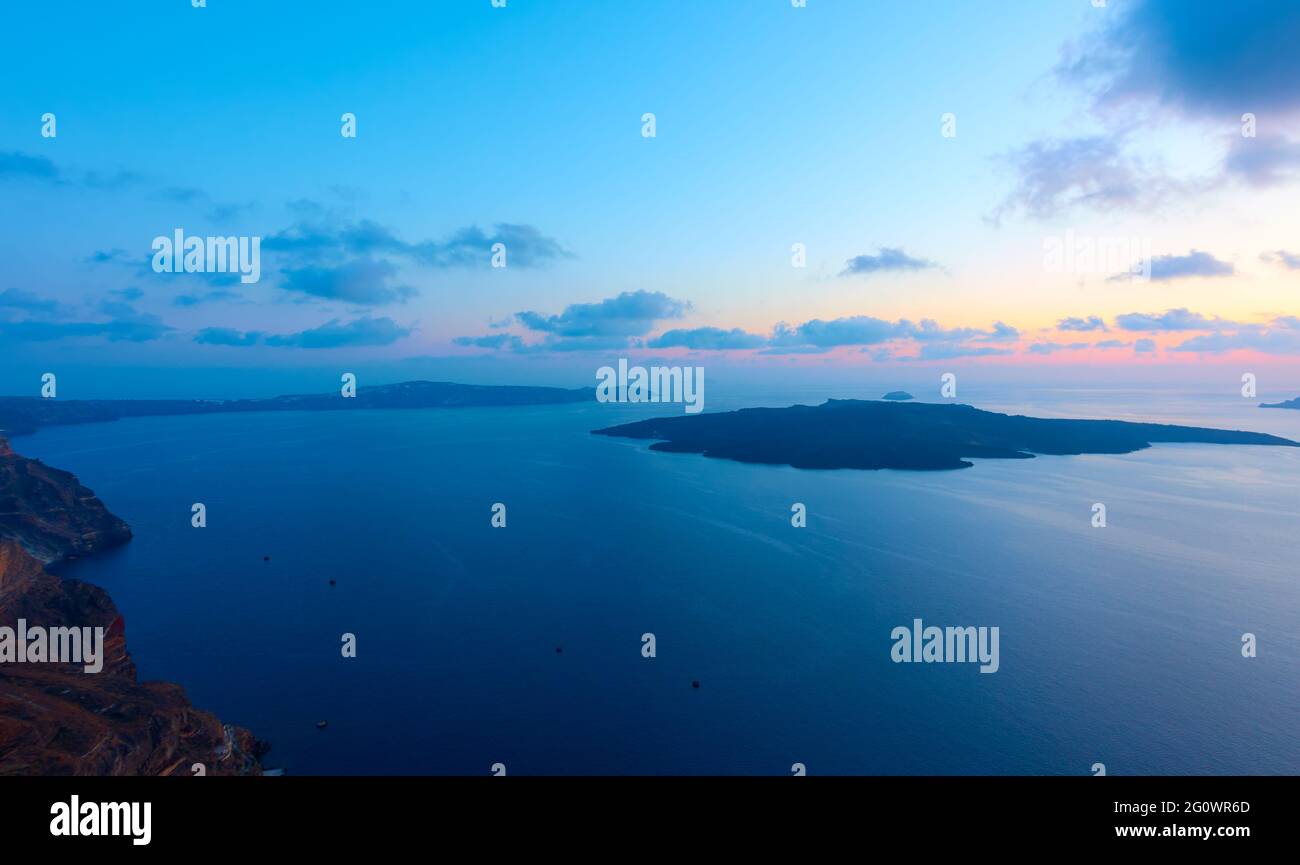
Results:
<point x="57" y="719"/>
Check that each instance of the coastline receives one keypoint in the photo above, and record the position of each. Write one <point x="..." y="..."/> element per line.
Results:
<point x="55" y="717"/>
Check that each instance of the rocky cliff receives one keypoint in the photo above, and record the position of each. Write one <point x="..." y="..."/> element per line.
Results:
<point x="57" y="719"/>
<point x="49" y="513"/>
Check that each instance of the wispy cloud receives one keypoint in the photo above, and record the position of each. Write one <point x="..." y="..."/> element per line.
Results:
<point x="1092" y="322"/>
<point x="1169" y="320"/>
<point x="887" y="260"/>
<point x="1289" y="260"/>
<point x="332" y="334"/>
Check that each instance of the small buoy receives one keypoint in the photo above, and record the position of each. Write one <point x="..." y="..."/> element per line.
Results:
<point x="559" y="650"/>
<point x="331" y="582"/>
<point x="695" y="683"/>
<point x="266" y="558"/>
<point x="321" y="725"/>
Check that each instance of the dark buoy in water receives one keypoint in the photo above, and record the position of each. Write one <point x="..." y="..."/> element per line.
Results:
<point x="695" y="683"/>
<point x="266" y="558"/>
<point x="321" y="725"/>
<point x="331" y="582"/>
<point x="559" y="650"/>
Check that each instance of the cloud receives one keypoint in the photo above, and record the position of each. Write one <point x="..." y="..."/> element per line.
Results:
<point x="889" y="259"/>
<point x="1169" y="320"/>
<point x="333" y="334"/>
<point x="1220" y="61"/>
<point x="525" y="245"/>
<point x="16" y="298"/>
<point x="1269" y="160"/>
<point x="111" y="256"/>
<point x="227" y="336"/>
<point x="1090" y="323"/>
<point x="947" y="350"/>
<point x="20" y="166"/>
<point x="1053" y="347"/>
<point x="825" y="335"/>
<point x="363" y="282"/>
<point x="1165" y="268"/>
<point x="136" y="327"/>
<point x="1280" y="336"/>
<point x="494" y="341"/>
<point x="1144" y="346"/>
<point x="632" y="313"/>
<point x="1289" y="260"/>
<point x="207" y="297"/>
<point x="215" y="211"/>
<point x="1045" y="348"/>
<point x="618" y="322"/>
<point x="708" y="338"/>
<point x="1058" y="176"/>
<point x="1002" y="333"/>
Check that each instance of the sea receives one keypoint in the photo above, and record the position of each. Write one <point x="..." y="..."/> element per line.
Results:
<point x="528" y="646"/>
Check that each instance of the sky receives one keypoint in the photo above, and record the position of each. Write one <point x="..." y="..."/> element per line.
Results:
<point x="841" y="188"/>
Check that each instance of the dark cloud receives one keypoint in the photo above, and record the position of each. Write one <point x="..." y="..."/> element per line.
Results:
<point x="888" y="259"/>
<point x="1215" y="60"/>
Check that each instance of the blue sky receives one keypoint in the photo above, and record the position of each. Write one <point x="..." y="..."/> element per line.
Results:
<point x="775" y="126"/>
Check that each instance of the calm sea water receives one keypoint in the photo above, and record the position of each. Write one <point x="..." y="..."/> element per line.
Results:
<point x="1118" y="645"/>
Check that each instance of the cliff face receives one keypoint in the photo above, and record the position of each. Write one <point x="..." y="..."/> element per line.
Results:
<point x="50" y="513"/>
<point x="55" y="718"/>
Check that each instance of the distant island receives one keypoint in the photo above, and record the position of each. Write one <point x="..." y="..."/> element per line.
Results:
<point x="23" y="415"/>
<point x="1291" y="403"/>
<point x="862" y="434"/>
<point x="898" y="395"/>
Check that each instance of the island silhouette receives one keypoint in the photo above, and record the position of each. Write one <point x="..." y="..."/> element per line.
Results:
<point x="869" y="434"/>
